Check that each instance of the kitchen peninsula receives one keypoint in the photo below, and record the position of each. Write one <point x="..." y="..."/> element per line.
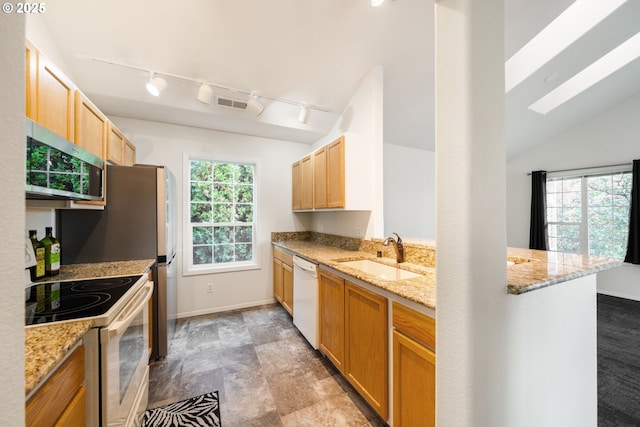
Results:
<point x="551" y="327"/>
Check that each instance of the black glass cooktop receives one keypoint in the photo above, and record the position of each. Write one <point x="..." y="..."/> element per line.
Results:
<point x="58" y="301"/>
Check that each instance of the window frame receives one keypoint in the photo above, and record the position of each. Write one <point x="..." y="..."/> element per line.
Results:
<point x="189" y="269"/>
<point x="584" y="176"/>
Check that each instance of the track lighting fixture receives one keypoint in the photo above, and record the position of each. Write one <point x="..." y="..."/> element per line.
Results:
<point x="205" y="93"/>
<point x="156" y="84"/>
<point x="254" y="105"/>
<point x="304" y="114"/>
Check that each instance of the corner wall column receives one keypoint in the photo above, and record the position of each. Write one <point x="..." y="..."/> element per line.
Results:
<point x="470" y="213"/>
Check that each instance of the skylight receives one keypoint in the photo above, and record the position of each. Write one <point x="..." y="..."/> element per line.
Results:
<point x="568" y="27"/>
<point x="603" y="67"/>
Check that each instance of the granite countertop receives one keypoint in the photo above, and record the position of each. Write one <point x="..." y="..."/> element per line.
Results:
<point x="531" y="269"/>
<point x="46" y="345"/>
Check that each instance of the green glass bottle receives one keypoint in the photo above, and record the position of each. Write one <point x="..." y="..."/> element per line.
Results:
<point x="51" y="253"/>
<point x="37" y="271"/>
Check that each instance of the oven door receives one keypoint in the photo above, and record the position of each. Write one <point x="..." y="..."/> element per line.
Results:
<point x="124" y="363"/>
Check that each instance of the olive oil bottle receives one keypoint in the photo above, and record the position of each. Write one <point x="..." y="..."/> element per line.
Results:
<point x="51" y="253"/>
<point x="37" y="271"/>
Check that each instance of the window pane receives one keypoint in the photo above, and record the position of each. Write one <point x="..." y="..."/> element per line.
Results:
<point x="571" y="198"/>
<point x="244" y="174"/>
<point x="223" y="172"/>
<point x="244" y="252"/>
<point x="201" y="255"/>
<point x="222" y="253"/>
<point x="201" y="212"/>
<point x="222" y="193"/>
<point x="244" y="213"/>
<point x="554" y="214"/>
<point x="201" y="170"/>
<point x="222" y="212"/>
<point x="201" y="191"/>
<point x="244" y="194"/>
<point x="571" y="184"/>
<point x="244" y="234"/>
<point x="223" y="234"/>
<point x="202" y="235"/>
<point x="570" y="214"/>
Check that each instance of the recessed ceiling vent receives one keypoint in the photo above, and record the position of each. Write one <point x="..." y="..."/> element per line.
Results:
<point x="231" y="104"/>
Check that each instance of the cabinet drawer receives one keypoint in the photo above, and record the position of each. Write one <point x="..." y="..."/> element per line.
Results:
<point x="55" y="395"/>
<point x="414" y="324"/>
<point x="283" y="256"/>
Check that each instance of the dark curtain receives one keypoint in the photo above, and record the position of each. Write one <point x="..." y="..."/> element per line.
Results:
<point x="538" y="226"/>
<point x="633" y="245"/>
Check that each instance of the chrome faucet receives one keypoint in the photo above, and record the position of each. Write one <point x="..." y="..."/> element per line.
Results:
<point x="398" y="246"/>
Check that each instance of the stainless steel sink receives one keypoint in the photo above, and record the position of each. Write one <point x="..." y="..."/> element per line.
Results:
<point x="380" y="271"/>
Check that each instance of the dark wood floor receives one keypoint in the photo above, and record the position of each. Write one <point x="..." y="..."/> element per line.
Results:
<point x="618" y="362"/>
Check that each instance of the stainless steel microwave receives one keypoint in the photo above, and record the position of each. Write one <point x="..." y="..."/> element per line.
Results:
<point x="59" y="169"/>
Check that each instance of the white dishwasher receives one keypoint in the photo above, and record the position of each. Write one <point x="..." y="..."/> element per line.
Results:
<point x="305" y="299"/>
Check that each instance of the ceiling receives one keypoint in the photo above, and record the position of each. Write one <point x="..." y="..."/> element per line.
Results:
<point x="313" y="52"/>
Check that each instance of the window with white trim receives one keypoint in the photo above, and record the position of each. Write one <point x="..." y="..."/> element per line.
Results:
<point x="589" y="214"/>
<point x="222" y="206"/>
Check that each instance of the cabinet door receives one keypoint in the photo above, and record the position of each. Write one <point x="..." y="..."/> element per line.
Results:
<point x="115" y="145"/>
<point x="320" y="179"/>
<point x="278" y="288"/>
<point x="287" y="287"/>
<point x="296" y="186"/>
<point x="54" y="99"/>
<point x="331" y="305"/>
<point x="335" y="174"/>
<point x="31" y="69"/>
<point x="414" y="383"/>
<point x="129" y="153"/>
<point x="76" y="413"/>
<point x="307" y="183"/>
<point x="366" y="345"/>
<point x="91" y="127"/>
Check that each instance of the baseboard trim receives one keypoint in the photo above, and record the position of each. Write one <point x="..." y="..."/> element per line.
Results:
<point x="619" y="294"/>
<point x="224" y="308"/>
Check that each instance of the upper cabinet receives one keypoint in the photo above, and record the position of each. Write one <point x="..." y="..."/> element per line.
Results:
<point x="120" y="151"/>
<point x="50" y="94"/>
<point x="340" y="177"/>
<point x="91" y="127"/>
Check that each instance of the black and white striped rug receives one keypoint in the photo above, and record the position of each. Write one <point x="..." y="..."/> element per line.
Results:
<point x="198" y="411"/>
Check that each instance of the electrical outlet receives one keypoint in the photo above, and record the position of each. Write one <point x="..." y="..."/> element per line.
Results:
<point x="209" y="288"/>
<point x="360" y="232"/>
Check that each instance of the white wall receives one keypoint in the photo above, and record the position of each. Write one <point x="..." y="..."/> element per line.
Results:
<point x="409" y="192"/>
<point x="12" y="170"/>
<point x="610" y="138"/>
<point x="362" y="122"/>
<point x="164" y="144"/>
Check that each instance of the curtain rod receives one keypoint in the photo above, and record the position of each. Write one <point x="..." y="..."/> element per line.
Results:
<point x="592" y="167"/>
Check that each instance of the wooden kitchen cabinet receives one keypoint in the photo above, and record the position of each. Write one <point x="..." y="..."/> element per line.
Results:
<point x="91" y="128"/>
<point x="318" y="180"/>
<point x="414" y="368"/>
<point x="61" y="400"/>
<point x="335" y="175"/>
<point x="120" y="151"/>
<point x="49" y="94"/>
<point x="366" y="345"/>
<point x="129" y="153"/>
<point x="283" y="279"/>
<point x="331" y="317"/>
<point x="353" y="336"/>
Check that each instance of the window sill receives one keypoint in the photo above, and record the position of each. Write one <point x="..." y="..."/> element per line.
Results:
<point x="194" y="271"/>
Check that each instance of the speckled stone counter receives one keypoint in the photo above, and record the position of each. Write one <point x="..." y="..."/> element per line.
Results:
<point x="101" y="269"/>
<point x="45" y="346"/>
<point x="531" y="269"/>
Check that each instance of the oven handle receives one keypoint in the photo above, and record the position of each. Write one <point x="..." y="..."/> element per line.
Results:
<point x="129" y="313"/>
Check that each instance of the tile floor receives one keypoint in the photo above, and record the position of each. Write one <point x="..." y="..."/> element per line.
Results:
<point x="266" y="372"/>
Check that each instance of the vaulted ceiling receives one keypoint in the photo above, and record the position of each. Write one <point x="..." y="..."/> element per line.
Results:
<point x="313" y="52"/>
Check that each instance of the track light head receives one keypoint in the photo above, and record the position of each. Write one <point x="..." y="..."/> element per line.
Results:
<point x="254" y="105"/>
<point x="205" y="93"/>
<point x="156" y="84"/>
<point x="304" y="114"/>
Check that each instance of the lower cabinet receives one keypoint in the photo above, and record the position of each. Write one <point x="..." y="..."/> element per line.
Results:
<point x="61" y="400"/>
<point x="283" y="279"/>
<point x="353" y="335"/>
<point x="414" y="368"/>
